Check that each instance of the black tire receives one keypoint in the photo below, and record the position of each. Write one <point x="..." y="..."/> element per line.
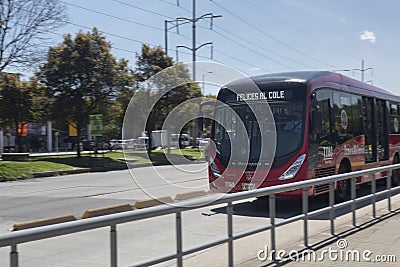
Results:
<point x="396" y="173"/>
<point x="343" y="191"/>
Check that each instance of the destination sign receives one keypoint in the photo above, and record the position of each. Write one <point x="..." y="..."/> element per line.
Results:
<point x="272" y="95"/>
<point x="276" y="94"/>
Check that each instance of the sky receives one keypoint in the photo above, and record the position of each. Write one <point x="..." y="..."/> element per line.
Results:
<point x="255" y="36"/>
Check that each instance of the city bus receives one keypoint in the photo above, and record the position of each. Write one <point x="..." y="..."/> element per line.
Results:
<point x="346" y="125"/>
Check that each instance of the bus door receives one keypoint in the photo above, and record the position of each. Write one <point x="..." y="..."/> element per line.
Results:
<point x="382" y="134"/>
<point x="369" y="121"/>
<point x="321" y="136"/>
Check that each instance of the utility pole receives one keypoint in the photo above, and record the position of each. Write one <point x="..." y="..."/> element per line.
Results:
<point x="181" y="20"/>
<point x="362" y="70"/>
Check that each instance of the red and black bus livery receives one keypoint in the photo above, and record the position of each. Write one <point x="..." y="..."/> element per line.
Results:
<point x="346" y="125"/>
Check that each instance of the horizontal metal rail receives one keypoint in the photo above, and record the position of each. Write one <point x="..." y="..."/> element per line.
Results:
<point x="15" y="238"/>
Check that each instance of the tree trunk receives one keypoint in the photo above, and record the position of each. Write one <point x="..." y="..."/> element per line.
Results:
<point x="78" y="139"/>
<point x="150" y="143"/>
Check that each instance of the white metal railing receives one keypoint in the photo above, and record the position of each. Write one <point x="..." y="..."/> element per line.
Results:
<point x="13" y="239"/>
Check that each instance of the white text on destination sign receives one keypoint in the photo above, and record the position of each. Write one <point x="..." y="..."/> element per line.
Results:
<point x="261" y="95"/>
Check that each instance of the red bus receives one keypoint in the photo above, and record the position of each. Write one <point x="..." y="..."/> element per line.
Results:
<point x="343" y="125"/>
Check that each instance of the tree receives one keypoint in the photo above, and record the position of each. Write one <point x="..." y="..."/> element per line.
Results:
<point x="23" y="27"/>
<point x="150" y="62"/>
<point x="15" y="103"/>
<point x="42" y="101"/>
<point x="82" y="75"/>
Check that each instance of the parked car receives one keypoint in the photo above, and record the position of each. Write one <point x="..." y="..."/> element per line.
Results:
<point x="202" y="142"/>
<point x="184" y="140"/>
<point x="117" y="144"/>
<point x="141" y="143"/>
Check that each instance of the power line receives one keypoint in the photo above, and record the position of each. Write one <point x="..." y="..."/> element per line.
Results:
<point x="193" y="21"/>
<point x="241" y="61"/>
<point x="176" y="5"/>
<point x="194" y="49"/>
<point x="153" y="45"/>
<point x="118" y="48"/>
<point x="141" y="24"/>
<point x="143" y="9"/>
<point x="298" y="29"/>
<point x="112" y="34"/>
<point x="271" y="36"/>
<point x="112" y="16"/>
<point x="137" y="41"/>
<point x="362" y="70"/>
<point x="127" y="20"/>
<point x="260" y="47"/>
<point x="252" y="50"/>
<point x="123" y="37"/>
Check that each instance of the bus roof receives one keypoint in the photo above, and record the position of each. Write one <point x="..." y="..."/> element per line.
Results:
<point x="300" y="76"/>
<point x="322" y="77"/>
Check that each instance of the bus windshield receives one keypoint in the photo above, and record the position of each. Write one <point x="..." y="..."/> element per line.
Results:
<point x="288" y="122"/>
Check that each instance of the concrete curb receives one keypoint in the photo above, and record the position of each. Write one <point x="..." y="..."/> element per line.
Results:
<point x="106" y="210"/>
<point x="62" y="172"/>
<point x="43" y="222"/>
<point x="97" y="169"/>
<point x="189" y="195"/>
<point x="141" y="204"/>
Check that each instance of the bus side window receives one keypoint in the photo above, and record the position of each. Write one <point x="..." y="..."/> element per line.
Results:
<point x="324" y="105"/>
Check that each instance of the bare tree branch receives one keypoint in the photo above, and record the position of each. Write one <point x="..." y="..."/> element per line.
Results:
<point x="24" y="29"/>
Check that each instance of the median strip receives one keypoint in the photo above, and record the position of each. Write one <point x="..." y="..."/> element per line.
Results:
<point x="43" y="222"/>
<point x="106" y="210"/>
<point x="189" y="195"/>
<point x="141" y="204"/>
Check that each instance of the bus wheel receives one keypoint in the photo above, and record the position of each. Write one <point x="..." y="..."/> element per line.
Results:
<point x="342" y="192"/>
<point x="396" y="173"/>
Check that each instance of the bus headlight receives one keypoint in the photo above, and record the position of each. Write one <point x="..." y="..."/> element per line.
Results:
<point x="291" y="172"/>
<point x="214" y="169"/>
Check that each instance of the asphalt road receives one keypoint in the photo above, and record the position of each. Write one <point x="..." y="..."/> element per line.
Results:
<point x="138" y="241"/>
<point x="73" y="194"/>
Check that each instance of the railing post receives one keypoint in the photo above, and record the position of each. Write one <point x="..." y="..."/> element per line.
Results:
<point x="353" y="198"/>
<point x="179" y="246"/>
<point x="389" y="188"/>
<point x="272" y="214"/>
<point x="331" y="204"/>
<point x="14" y="256"/>
<point x="305" y="212"/>
<point x="113" y="245"/>
<point x="229" y="211"/>
<point x="373" y="191"/>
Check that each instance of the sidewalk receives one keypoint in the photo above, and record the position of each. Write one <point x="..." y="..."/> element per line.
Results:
<point x="374" y="242"/>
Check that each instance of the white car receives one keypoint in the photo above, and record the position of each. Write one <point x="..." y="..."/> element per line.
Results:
<point x="117" y="144"/>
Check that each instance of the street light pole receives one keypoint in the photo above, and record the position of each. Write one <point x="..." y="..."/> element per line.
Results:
<point x="204" y="82"/>
<point x="56" y="134"/>
<point x="194" y="39"/>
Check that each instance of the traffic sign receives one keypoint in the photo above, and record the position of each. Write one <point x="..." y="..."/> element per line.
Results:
<point x="96" y="124"/>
